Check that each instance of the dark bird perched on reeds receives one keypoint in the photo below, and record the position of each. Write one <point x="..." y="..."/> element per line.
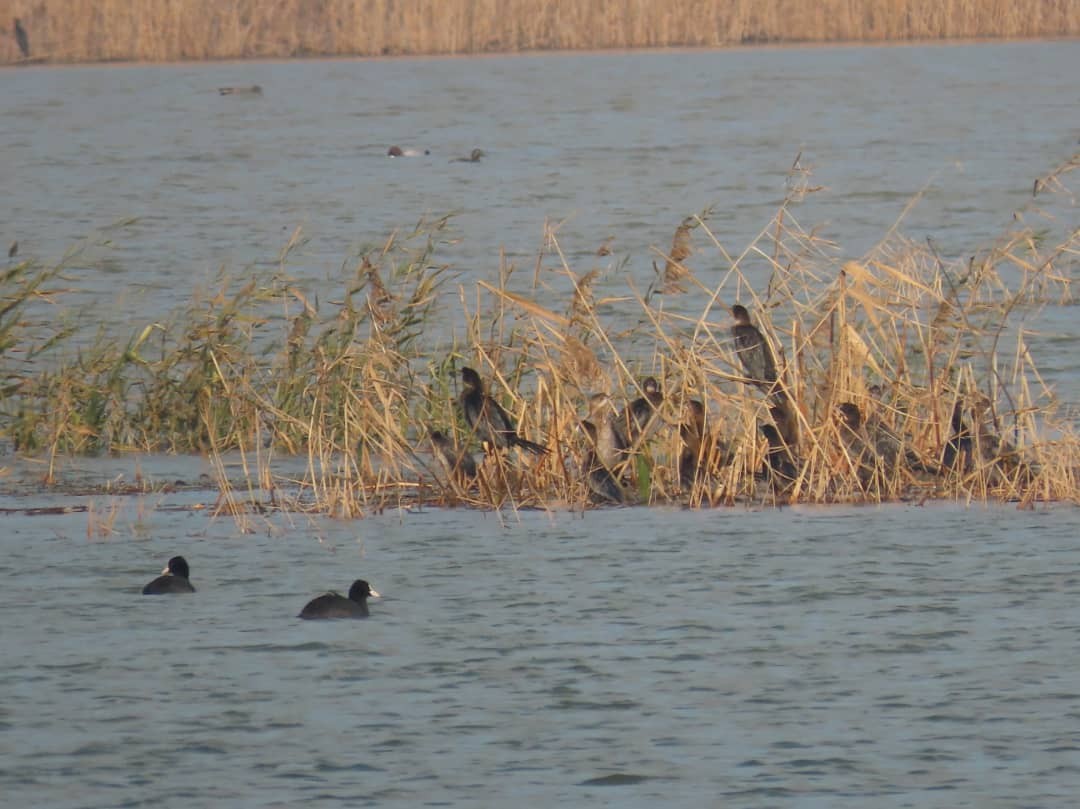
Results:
<point x="610" y="442"/>
<point x="861" y="456"/>
<point x="958" y="451"/>
<point x="603" y="487"/>
<point x="22" y="39"/>
<point x="487" y="419"/>
<point x="173" y="579"/>
<point x="754" y="353"/>
<point x="780" y="467"/>
<point x="639" y="416"/>
<point x="458" y="463"/>
<point x="334" y="605"/>
<point x="473" y="157"/>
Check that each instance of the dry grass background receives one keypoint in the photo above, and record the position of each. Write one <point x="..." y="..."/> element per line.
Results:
<point x="165" y="30"/>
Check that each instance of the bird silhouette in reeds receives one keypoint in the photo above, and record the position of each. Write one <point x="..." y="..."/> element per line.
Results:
<point x="21" y="39"/>
<point x="603" y="487"/>
<point x="957" y="455"/>
<point x="859" y="453"/>
<point x="641" y="414"/>
<point x="487" y="419"/>
<point x="459" y="464"/>
<point x="609" y="440"/>
<point x="780" y="467"/>
<point x="700" y="445"/>
<point x="754" y="353"/>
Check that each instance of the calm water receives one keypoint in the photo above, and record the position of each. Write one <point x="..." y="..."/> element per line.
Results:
<point x="806" y="657"/>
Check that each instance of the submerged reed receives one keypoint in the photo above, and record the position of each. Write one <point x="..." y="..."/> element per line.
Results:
<point x="901" y="376"/>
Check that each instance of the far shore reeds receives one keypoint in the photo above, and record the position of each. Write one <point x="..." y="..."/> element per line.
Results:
<point x="167" y="30"/>
<point x="897" y="377"/>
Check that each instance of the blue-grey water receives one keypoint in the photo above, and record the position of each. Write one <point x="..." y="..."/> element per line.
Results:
<point x="809" y="657"/>
<point x="833" y="657"/>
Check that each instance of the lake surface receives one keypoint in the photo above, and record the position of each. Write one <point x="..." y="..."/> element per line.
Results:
<point x="839" y="657"/>
<point x="809" y="657"/>
<point x="618" y="147"/>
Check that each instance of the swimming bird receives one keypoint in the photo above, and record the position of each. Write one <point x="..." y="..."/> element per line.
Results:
<point x="22" y="39"/>
<point x="754" y="353"/>
<point x="458" y="463"/>
<point x="173" y="579"/>
<point x="639" y="416"/>
<point x="487" y="419"/>
<point x="253" y="90"/>
<point x="333" y="605"/>
<point x="473" y="157"/>
<point x="397" y="151"/>
<point x="602" y="483"/>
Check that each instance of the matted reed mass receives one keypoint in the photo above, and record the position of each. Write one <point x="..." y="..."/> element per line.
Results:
<point x="167" y="30"/>
<point x="900" y="376"/>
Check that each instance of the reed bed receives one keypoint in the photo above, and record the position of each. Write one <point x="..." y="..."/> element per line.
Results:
<point x="927" y="349"/>
<point x="168" y="30"/>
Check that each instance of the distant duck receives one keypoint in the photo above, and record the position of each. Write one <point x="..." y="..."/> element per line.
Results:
<point x="474" y="157"/>
<point x="333" y="605"/>
<point x="173" y="579"/>
<point x="397" y="151"/>
<point x="253" y="90"/>
<point x="22" y="39"/>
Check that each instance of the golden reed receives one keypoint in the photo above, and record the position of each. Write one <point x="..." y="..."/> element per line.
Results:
<point x="166" y="30"/>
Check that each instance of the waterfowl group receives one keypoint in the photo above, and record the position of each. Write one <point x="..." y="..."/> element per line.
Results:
<point x="859" y="446"/>
<point x="174" y="580"/>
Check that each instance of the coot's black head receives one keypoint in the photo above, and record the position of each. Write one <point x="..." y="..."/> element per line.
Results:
<point x="742" y="317"/>
<point x="178" y="567"/>
<point x="470" y="379"/>
<point x="650" y="386"/>
<point x="361" y="591"/>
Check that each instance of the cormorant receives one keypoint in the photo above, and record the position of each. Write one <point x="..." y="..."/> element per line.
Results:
<point x="333" y="605"/>
<point x="173" y="579"/>
<point x="640" y="414"/>
<point x="861" y="456"/>
<point x="753" y="350"/>
<point x="780" y="467"/>
<point x="22" y="39"/>
<point x="602" y="483"/>
<point x="610" y="442"/>
<point x="458" y="463"/>
<point x="487" y="419"/>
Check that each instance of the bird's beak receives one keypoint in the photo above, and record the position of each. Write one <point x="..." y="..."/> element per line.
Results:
<point x="164" y="570"/>
<point x="374" y="593"/>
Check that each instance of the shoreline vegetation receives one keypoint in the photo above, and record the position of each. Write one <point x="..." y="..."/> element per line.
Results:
<point x="193" y="30"/>
<point x="901" y="377"/>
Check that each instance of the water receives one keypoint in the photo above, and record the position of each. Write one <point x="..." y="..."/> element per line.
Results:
<point x="745" y="658"/>
<point x="603" y="146"/>
<point x="839" y="657"/>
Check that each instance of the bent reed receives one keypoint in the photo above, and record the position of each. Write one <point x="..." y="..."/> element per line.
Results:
<point x="167" y="30"/>
<point x="902" y="376"/>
